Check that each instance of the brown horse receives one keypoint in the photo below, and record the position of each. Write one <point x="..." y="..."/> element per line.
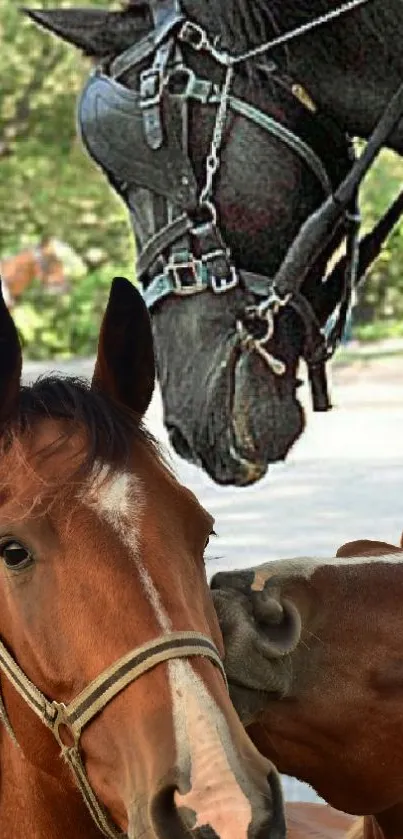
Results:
<point x="317" y="821"/>
<point x="105" y="606"/>
<point x="305" y="820"/>
<point x="314" y="656"/>
<point x="36" y="263"/>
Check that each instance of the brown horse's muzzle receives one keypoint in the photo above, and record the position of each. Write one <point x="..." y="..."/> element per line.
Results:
<point x="260" y="629"/>
<point x="173" y="822"/>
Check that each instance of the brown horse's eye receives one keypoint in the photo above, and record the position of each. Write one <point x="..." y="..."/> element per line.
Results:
<point x="14" y="555"/>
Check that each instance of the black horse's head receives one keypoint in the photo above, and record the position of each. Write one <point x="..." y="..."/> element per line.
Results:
<point x="217" y="187"/>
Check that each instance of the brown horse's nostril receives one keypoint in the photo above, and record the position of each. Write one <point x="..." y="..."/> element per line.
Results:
<point x="171" y="822"/>
<point x="278" y="624"/>
<point x="267" y="609"/>
<point x="172" y="819"/>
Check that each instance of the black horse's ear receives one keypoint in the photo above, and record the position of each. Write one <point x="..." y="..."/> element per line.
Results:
<point x="10" y="364"/>
<point x="125" y="366"/>
<point x="97" y="32"/>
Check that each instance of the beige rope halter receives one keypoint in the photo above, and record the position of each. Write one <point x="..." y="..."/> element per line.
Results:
<point x="81" y="710"/>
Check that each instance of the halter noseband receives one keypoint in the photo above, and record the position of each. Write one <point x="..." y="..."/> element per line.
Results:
<point x="73" y="717"/>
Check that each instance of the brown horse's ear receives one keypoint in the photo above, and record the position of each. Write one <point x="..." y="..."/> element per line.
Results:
<point x="10" y="364"/>
<point x="97" y="32"/>
<point x="125" y="366"/>
<point x="367" y="547"/>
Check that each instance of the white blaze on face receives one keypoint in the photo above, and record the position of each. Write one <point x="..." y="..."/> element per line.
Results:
<point x="205" y="753"/>
<point x="207" y="757"/>
<point x="118" y="499"/>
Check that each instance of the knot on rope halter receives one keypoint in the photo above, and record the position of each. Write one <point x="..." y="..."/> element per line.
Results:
<point x="256" y="328"/>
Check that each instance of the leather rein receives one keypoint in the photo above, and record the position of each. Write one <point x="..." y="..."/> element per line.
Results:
<point x="66" y="722"/>
<point x="182" y="274"/>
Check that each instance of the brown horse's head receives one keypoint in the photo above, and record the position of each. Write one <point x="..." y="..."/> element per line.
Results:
<point x="314" y="656"/>
<point x="101" y="551"/>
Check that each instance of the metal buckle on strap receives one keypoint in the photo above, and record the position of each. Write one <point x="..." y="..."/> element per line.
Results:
<point x="60" y="719"/>
<point x="183" y="83"/>
<point x="180" y="81"/>
<point x="187" y="273"/>
<point x="193" y="34"/>
<point x="220" y="285"/>
<point x="151" y="87"/>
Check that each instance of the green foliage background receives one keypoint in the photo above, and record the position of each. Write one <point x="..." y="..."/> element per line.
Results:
<point x="48" y="185"/>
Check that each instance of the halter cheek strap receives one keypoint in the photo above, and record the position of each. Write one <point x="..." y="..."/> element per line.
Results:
<point x="81" y="711"/>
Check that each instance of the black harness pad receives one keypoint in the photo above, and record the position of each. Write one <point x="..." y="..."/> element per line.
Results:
<point x="111" y="123"/>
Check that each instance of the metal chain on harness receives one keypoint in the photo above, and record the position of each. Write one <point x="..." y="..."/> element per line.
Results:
<point x="185" y="274"/>
<point x="265" y="311"/>
<point x="269" y="307"/>
<point x="223" y="57"/>
<point x="213" y="159"/>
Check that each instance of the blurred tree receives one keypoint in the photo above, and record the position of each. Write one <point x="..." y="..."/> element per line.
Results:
<point x="381" y="296"/>
<point x="47" y="182"/>
<point x="48" y="185"/>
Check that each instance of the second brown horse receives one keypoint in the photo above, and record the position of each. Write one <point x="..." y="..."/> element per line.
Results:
<point x="314" y="655"/>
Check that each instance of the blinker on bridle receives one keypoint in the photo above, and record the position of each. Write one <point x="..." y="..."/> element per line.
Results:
<point x="182" y="273"/>
<point x="66" y="722"/>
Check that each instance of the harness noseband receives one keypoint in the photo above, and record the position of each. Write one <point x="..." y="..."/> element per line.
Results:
<point x="140" y="140"/>
<point x="73" y="718"/>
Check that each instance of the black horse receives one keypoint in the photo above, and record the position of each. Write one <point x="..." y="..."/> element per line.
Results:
<point x="164" y="103"/>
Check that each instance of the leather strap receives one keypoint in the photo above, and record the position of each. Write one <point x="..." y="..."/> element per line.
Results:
<point x="206" y="92"/>
<point x="144" y="48"/>
<point x="315" y="352"/>
<point x="90" y="702"/>
<point x="6" y="722"/>
<point x="162" y="240"/>
<point x="286" y="136"/>
<point x="151" y="81"/>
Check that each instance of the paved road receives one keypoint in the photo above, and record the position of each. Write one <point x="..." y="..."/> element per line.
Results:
<point x="342" y="481"/>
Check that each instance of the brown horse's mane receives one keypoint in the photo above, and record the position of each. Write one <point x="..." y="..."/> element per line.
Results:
<point x="110" y="431"/>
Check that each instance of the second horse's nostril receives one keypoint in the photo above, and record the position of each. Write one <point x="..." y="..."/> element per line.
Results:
<point x="267" y="609"/>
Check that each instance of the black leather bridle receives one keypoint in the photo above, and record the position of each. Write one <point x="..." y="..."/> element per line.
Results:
<point x="186" y="253"/>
